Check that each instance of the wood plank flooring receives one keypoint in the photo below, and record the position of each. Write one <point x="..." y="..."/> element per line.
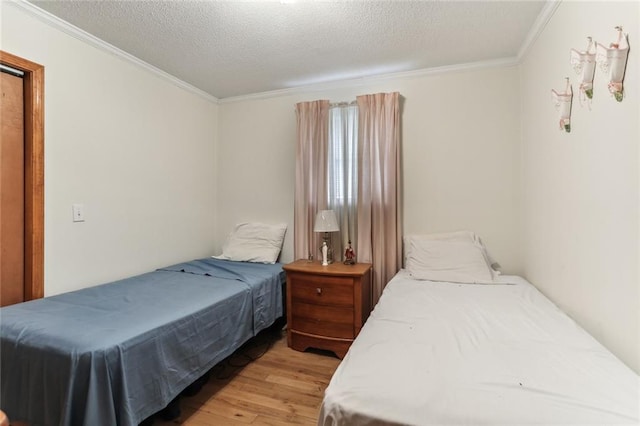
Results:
<point x="280" y="387"/>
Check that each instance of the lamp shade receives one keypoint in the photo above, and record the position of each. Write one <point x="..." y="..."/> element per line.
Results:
<point x="326" y="221"/>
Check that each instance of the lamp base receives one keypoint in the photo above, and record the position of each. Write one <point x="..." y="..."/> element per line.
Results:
<point x="325" y="253"/>
<point x="326" y="250"/>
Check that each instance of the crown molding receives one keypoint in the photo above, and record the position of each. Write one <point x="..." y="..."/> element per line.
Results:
<point x="380" y="78"/>
<point x="538" y="26"/>
<point x="94" y="41"/>
<point x="52" y="20"/>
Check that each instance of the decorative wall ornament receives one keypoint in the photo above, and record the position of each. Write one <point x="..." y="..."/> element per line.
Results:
<point x="613" y="62"/>
<point x="584" y="64"/>
<point x="563" y="105"/>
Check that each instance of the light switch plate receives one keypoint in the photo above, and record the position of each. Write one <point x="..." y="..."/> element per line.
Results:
<point x="78" y="212"/>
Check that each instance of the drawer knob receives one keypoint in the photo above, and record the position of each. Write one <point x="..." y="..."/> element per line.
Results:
<point x="318" y="290"/>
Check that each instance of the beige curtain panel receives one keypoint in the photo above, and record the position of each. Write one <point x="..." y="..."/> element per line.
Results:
<point x="311" y="175"/>
<point x="379" y="216"/>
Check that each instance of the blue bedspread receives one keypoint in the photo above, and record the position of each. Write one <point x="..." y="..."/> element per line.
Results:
<point x="116" y="353"/>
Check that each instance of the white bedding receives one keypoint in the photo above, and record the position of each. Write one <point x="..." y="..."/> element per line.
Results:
<point x="454" y="354"/>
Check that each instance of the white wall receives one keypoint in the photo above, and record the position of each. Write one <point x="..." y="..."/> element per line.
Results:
<point x="581" y="189"/>
<point x="136" y="150"/>
<point x="460" y="156"/>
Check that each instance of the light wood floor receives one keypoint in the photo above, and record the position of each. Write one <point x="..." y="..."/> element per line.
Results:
<point x="281" y="387"/>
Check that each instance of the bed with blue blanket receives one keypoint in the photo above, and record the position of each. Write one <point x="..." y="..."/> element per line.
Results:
<point x="116" y="353"/>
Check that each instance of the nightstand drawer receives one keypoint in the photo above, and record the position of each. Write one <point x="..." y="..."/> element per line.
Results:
<point x="327" y="321"/>
<point x="322" y="290"/>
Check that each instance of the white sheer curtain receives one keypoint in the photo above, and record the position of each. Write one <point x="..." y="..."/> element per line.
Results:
<point x="342" y="174"/>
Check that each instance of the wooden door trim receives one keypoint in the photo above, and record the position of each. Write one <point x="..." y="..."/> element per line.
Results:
<point x="34" y="172"/>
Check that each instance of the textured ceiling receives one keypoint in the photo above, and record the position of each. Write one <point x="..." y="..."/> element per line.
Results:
<point x="235" y="48"/>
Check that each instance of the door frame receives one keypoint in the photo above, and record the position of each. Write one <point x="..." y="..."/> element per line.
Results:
<point x="33" y="81"/>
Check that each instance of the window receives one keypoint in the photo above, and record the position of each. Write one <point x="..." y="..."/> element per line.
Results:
<point x="351" y="165"/>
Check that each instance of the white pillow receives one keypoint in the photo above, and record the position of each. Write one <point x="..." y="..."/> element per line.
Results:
<point x="453" y="236"/>
<point x="254" y="242"/>
<point x="457" y="257"/>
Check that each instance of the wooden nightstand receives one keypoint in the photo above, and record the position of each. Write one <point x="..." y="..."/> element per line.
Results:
<point x="326" y="305"/>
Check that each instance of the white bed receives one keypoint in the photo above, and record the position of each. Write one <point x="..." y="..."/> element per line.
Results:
<point x="450" y="354"/>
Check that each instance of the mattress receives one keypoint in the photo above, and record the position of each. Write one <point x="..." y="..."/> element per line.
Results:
<point x="459" y="354"/>
<point x="116" y="353"/>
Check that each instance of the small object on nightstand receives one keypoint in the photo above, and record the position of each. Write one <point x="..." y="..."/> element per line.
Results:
<point x="349" y="255"/>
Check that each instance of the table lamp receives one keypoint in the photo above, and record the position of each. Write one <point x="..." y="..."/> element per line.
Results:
<point x="326" y="222"/>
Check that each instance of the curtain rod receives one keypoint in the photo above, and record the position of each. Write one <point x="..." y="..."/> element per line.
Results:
<point x="337" y="104"/>
<point x="342" y="104"/>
